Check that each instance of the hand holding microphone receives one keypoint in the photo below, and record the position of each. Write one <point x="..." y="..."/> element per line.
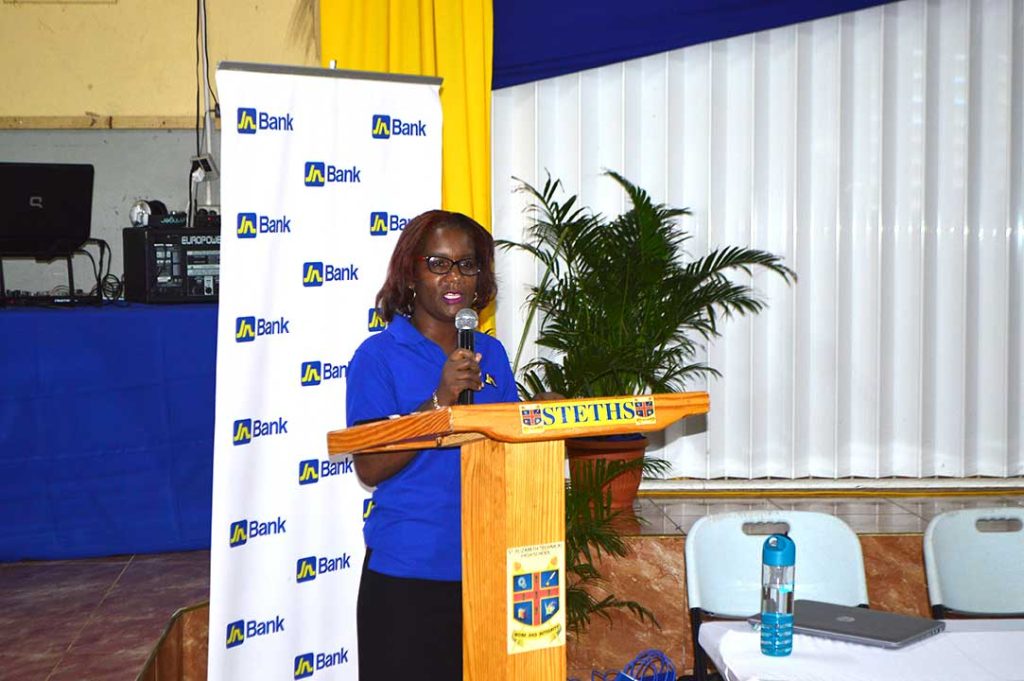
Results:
<point x="460" y="376"/>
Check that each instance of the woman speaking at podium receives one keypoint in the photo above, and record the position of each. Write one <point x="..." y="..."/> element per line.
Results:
<point x="409" y="613"/>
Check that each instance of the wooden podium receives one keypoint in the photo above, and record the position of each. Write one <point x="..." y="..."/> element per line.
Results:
<point x="513" y="504"/>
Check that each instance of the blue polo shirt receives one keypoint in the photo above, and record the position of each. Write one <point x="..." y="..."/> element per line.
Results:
<point x="415" y="527"/>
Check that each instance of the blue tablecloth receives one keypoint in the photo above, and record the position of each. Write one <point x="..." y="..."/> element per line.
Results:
<point x="106" y="430"/>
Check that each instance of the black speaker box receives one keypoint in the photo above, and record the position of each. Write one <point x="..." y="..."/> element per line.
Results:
<point x="171" y="265"/>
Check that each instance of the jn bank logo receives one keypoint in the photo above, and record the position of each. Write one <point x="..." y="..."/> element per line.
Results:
<point x="316" y="273"/>
<point x="378" y="224"/>
<point x="247" y="122"/>
<point x="304" y="666"/>
<point x="311" y="373"/>
<point x="306" y="569"/>
<point x="314" y="372"/>
<point x="312" y="274"/>
<point x="251" y="224"/>
<point x="318" y="173"/>
<point x="248" y="329"/>
<point x="245" y="329"/>
<point x="239" y="630"/>
<point x="235" y="635"/>
<point x="246" y="228"/>
<point x="250" y="120"/>
<point x="384" y="127"/>
<point x="314" y="174"/>
<point x="381" y="126"/>
<point x="306" y="663"/>
<point x="241" y="531"/>
<point x="381" y="223"/>
<point x="237" y="533"/>
<point x="374" y="322"/>
<point x="311" y="470"/>
<point x="244" y="430"/>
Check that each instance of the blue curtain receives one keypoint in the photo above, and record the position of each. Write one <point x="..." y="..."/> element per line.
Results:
<point x="535" y="39"/>
<point x="106" y="430"/>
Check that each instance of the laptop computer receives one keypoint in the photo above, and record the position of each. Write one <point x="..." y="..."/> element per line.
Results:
<point x="45" y="208"/>
<point x="859" y="625"/>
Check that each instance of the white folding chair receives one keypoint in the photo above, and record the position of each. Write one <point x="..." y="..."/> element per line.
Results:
<point x="723" y="565"/>
<point x="974" y="561"/>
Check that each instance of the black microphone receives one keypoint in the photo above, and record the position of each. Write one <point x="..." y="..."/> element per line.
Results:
<point x="466" y="322"/>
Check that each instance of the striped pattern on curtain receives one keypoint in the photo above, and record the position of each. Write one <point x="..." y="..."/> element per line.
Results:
<point x="882" y="152"/>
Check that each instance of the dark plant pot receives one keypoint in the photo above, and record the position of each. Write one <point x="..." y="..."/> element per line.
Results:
<point x="624" y="487"/>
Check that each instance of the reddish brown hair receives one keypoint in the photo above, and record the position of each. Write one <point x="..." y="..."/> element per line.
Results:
<point x="396" y="296"/>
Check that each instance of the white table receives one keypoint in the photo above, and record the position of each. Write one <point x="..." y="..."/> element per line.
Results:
<point x="968" y="650"/>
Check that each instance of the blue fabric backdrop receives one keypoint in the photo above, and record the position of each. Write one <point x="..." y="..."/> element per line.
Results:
<point x="535" y="39"/>
<point x="106" y="430"/>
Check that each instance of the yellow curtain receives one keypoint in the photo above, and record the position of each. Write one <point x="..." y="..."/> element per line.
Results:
<point x="451" y="39"/>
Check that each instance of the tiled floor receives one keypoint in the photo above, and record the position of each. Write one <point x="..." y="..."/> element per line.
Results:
<point x="99" y="619"/>
<point x="94" y="619"/>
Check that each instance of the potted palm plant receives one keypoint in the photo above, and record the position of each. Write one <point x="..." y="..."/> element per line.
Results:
<point x="621" y="308"/>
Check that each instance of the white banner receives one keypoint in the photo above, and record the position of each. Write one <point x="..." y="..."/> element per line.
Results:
<point x="319" y="172"/>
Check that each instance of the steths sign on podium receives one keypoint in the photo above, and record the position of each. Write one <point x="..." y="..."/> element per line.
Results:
<point x="513" y="512"/>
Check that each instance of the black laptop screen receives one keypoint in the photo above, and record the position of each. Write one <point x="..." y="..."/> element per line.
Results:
<point x="45" y="208"/>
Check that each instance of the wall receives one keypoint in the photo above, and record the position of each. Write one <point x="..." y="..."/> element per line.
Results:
<point x="130" y="165"/>
<point x="135" y="58"/>
<point x="113" y="83"/>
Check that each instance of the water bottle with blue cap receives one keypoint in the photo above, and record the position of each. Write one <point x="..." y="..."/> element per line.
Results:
<point x="778" y="559"/>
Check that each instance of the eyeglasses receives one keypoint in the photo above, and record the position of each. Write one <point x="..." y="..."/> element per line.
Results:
<point x="438" y="264"/>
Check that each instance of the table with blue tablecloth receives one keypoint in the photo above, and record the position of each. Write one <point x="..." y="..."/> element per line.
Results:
<point x="106" y="429"/>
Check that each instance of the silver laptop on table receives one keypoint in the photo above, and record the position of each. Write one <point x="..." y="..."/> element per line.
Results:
<point x="860" y="625"/>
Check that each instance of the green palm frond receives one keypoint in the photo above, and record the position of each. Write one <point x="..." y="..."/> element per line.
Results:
<point x="591" y="534"/>
<point x="620" y="304"/>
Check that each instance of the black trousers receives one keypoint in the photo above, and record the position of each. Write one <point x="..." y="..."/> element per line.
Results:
<point x="408" y="628"/>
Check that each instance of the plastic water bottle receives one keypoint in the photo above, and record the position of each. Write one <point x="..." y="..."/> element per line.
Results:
<point x="777" y="571"/>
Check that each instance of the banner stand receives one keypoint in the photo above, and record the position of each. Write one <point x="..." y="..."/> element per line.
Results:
<point x="320" y="171"/>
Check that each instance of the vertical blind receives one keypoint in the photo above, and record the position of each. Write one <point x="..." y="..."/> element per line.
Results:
<point x="882" y="153"/>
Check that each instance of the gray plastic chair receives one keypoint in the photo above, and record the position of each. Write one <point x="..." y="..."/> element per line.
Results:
<point x="974" y="561"/>
<point x="723" y="565"/>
